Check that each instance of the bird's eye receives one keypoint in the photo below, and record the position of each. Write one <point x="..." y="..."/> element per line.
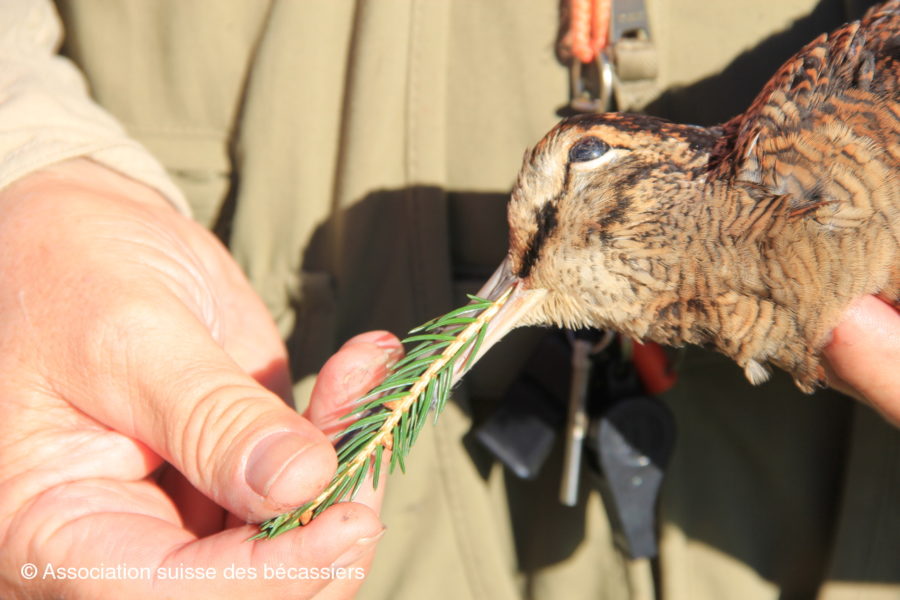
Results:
<point x="587" y="148"/>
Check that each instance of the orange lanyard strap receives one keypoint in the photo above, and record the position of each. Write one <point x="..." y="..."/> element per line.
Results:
<point x="588" y="28"/>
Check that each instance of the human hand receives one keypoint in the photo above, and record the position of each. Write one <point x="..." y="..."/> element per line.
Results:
<point x="130" y="431"/>
<point x="864" y="356"/>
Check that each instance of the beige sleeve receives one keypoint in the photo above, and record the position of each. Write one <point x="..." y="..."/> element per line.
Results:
<point x="46" y="113"/>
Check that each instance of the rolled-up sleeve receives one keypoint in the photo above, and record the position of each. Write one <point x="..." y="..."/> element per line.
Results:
<point x="46" y="113"/>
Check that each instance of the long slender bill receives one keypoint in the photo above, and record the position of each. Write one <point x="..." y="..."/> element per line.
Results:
<point x="512" y="301"/>
<point x="390" y="416"/>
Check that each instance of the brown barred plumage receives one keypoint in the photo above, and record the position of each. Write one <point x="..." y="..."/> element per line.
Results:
<point x="752" y="237"/>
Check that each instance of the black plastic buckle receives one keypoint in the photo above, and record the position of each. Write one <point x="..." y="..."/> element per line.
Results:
<point x="631" y="443"/>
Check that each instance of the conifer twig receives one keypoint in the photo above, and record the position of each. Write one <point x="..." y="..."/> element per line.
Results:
<point x="391" y="415"/>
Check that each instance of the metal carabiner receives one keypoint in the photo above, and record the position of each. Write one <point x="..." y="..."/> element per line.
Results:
<point x="592" y="85"/>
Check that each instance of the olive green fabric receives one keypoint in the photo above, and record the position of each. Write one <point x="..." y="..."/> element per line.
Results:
<point x="356" y="157"/>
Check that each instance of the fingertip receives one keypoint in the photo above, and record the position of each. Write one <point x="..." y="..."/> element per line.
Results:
<point x="354" y="369"/>
<point x="360" y="530"/>
<point x="873" y="314"/>
<point x="340" y="541"/>
<point x="348" y="375"/>
<point x="382" y="339"/>
<point x="862" y="352"/>
<point x="329" y="537"/>
<point x="867" y="323"/>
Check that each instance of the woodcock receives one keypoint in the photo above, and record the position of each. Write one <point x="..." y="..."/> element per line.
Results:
<point x="752" y="237"/>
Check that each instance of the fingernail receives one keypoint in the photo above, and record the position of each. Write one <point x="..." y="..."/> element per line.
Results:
<point x="392" y="355"/>
<point x="393" y="351"/>
<point x="378" y="367"/>
<point x="358" y="550"/>
<point x="386" y="341"/>
<point x="270" y="457"/>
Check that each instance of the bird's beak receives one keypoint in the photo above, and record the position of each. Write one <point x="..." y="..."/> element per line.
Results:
<point x="515" y="301"/>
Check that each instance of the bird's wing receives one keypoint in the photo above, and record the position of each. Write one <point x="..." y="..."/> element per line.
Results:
<point x="825" y="131"/>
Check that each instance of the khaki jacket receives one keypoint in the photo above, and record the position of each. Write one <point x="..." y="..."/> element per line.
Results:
<point x="356" y="156"/>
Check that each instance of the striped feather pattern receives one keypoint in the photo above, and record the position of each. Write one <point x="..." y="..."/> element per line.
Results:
<point x="752" y="237"/>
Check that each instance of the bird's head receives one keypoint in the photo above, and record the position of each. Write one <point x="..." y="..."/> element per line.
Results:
<point x="591" y="218"/>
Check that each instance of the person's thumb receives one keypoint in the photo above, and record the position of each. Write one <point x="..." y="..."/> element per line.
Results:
<point x="174" y="389"/>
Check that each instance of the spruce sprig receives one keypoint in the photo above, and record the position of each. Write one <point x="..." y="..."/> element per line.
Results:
<point x="391" y="415"/>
